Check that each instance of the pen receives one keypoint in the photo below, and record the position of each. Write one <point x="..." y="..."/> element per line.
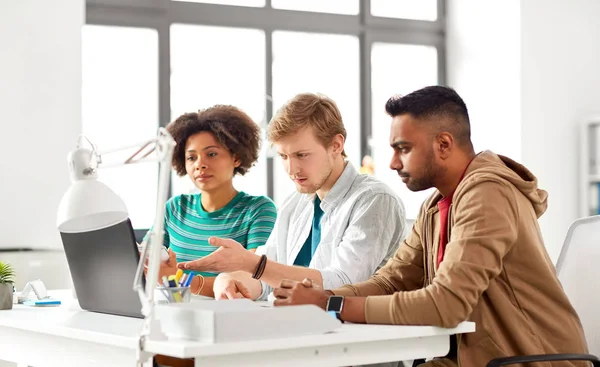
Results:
<point x="174" y="293"/>
<point x="188" y="281"/>
<point x="165" y="284"/>
<point x="178" y="275"/>
<point x="183" y="280"/>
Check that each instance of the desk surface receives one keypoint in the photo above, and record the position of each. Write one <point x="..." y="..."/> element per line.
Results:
<point x="69" y="321"/>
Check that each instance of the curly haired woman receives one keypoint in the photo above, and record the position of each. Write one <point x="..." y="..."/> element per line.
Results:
<point x="214" y="145"/>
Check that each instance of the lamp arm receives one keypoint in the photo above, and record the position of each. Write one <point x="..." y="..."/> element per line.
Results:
<point x="164" y="147"/>
<point x="141" y="155"/>
<point x="144" y="149"/>
<point x="84" y="163"/>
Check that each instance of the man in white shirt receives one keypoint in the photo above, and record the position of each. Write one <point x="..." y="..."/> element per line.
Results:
<point x="338" y="228"/>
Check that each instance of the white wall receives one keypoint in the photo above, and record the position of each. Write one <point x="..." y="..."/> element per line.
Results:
<point x="48" y="265"/>
<point x="560" y="68"/>
<point x="483" y="66"/>
<point x="40" y="100"/>
<point x="529" y="71"/>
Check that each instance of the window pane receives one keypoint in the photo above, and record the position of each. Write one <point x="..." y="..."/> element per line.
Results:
<point x="405" y="9"/>
<point x="252" y="3"/>
<point x="217" y="65"/>
<point x="335" y="73"/>
<point x="120" y="108"/>
<point x="397" y="69"/>
<point x="321" y="6"/>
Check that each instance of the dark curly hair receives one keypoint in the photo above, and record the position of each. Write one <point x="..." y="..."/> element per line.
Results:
<point x="232" y="128"/>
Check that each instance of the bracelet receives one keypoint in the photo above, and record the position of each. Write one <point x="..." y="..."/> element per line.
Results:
<point x="199" y="287"/>
<point x="260" y="268"/>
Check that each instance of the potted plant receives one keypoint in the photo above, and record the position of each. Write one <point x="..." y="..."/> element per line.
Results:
<point x="7" y="278"/>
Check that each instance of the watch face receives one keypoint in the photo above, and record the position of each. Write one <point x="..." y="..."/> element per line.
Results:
<point x="335" y="303"/>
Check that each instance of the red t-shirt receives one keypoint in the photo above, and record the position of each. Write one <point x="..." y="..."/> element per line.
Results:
<point x="443" y="206"/>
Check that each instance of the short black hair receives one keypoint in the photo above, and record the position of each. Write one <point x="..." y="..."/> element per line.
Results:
<point x="441" y="103"/>
<point x="230" y="126"/>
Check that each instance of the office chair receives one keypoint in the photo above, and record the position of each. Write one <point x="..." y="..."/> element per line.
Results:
<point x="497" y="362"/>
<point x="578" y="271"/>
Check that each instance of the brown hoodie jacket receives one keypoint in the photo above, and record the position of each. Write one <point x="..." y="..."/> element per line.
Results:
<point x="496" y="271"/>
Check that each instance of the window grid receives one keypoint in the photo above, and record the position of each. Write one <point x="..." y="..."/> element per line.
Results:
<point x="370" y="29"/>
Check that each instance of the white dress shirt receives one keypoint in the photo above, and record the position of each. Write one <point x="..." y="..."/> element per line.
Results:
<point x="362" y="226"/>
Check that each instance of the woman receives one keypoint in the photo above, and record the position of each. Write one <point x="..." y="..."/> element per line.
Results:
<point x="214" y="145"/>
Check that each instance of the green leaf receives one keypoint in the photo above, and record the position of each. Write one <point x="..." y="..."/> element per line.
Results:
<point x="7" y="273"/>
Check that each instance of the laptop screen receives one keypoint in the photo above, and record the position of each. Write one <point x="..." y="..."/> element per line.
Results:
<point x="103" y="264"/>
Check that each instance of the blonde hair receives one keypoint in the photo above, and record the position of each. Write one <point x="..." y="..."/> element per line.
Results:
<point x="308" y="109"/>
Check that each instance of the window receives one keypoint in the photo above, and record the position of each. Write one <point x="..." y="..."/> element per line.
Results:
<point x="397" y="69"/>
<point x="318" y="63"/>
<point x="236" y="52"/>
<point x="320" y="6"/>
<point x="405" y="9"/>
<point x="251" y="3"/>
<point x="218" y="65"/>
<point x="120" y="108"/>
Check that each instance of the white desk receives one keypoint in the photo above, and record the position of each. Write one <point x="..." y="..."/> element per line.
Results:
<point x="68" y="336"/>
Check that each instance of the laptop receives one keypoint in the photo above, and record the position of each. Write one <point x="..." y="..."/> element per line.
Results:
<point x="103" y="265"/>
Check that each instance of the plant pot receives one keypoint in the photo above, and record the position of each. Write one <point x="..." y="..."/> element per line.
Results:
<point x="6" y="296"/>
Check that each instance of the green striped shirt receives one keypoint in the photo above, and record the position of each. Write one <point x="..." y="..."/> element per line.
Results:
<point x="246" y="219"/>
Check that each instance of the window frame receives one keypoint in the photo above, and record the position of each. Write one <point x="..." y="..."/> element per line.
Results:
<point x="161" y="14"/>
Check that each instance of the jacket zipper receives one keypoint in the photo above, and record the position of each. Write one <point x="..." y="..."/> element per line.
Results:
<point x="431" y="267"/>
<point x="448" y="223"/>
<point x="425" y="253"/>
<point x="426" y="249"/>
<point x="448" y="232"/>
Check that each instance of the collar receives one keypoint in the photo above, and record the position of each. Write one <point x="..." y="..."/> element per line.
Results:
<point x="449" y="197"/>
<point x="447" y="200"/>
<point x="339" y="189"/>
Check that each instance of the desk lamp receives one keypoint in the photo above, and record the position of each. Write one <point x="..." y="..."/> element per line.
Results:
<point x="90" y="205"/>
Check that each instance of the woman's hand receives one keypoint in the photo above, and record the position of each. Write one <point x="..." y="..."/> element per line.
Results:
<point x="227" y="287"/>
<point x="169" y="267"/>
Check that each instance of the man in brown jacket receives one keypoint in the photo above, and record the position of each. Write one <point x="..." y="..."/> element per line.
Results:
<point x="475" y="252"/>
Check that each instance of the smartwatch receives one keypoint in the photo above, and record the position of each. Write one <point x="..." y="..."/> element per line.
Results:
<point x="335" y="305"/>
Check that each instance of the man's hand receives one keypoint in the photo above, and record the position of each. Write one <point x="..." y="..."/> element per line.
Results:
<point x="227" y="287"/>
<point x="291" y="292"/>
<point x="229" y="257"/>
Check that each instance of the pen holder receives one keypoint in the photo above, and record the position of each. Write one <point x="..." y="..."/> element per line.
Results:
<point x="172" y="294"/>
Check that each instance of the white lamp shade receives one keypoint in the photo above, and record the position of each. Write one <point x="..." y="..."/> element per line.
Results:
<point x="89" y="205"/>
